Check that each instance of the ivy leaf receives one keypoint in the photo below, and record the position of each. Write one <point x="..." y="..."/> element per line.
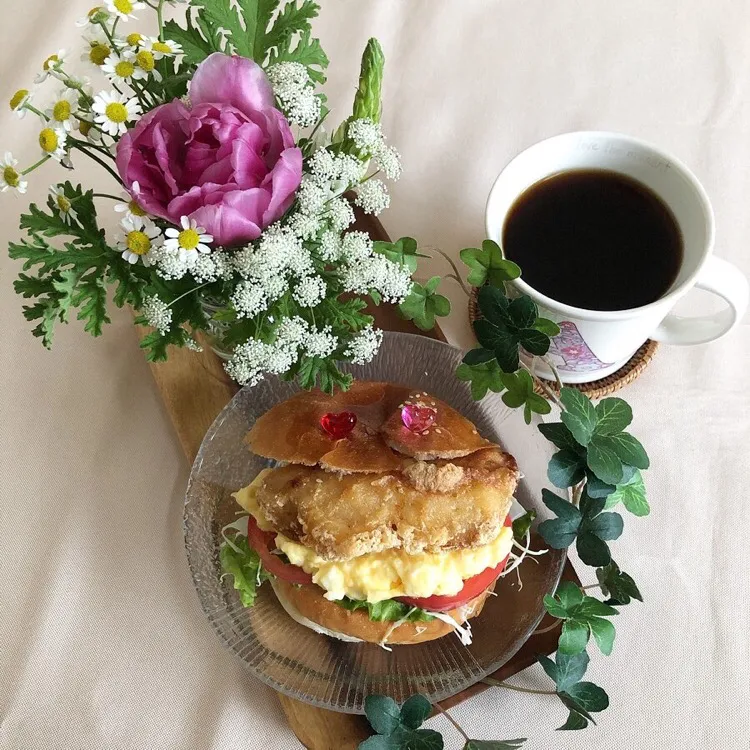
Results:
<point x="617" y="585"/>
<point x="547" y="327"/>
<point x="580" y="698"/>
<point x="560" y="532"/>
<point x="404" y="252"/>
<point x="632" y="494"/>
<point x="534" y="341"/>
<point x="596" y="488"/>
<point x="566" y="468"/>
<point x="579" y="416"/>
<point x="494" y="744"/>
<point x="415" y="711"/>
<point x="560" y="436"/>
<point x="603" y="460"/>
<point x="613" y="416"/>
<point x="483" y="377"/>
<point x="383" y="713"/>
<point x="501" y="341"/>
<point x="628" y="449"/>
<point x="582" y="617"/>
<point x="398" y="728"/>
<point x="423" y="304"/>
<point x="522" y="524"/>
<point x="478" y="356"/>
<point x="595" y="530"/>
<point x="522" y="312"/>
<point x="494" y="305"/>
<point x="488" y="265"/>
<point x="521" y="393"/>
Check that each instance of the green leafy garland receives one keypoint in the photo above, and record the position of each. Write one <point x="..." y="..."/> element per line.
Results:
<point x="596" y="461"/>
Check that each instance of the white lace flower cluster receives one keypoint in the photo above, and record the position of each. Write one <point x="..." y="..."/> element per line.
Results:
<point x="157" y="314"/>
<point x="293" y="336"/>
<point x="295" y="93"/>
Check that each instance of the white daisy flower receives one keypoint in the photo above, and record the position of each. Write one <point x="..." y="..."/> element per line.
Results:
<point x="97" y="51"/>
<point x="51" y="66"/>
<point x="52" y="142"/>
<point x="133" y="41"/>
<point x="146" y="62"/>
<point x="10" y="177"/>
<point x="130" y="206"/>
<point x="190" y="241"/>
<point x="18" y="102"/>
<point x="121" y="68"/>
<point x="161" y="48"/>
<point x="124" y="9"/>
<point x="113" y="111"/>
<point x="139" y="237"/>
<point x="61" y="113"/>
<point x="94" y="17"/>
<point x="63" y="204"/>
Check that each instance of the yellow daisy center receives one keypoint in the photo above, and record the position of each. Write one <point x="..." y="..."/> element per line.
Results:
<point x="135" y="209"/>
<point x="99" y="53"/>
<point x="188" y="239"/>
<point x="161" y="47"/>
<point x="18" y="98"/>
<point x="50" y="62"/>
<point x="124" y="6"/>
<point x="11" y="177"/>
<point x="116" y="112"/>
<point x="61" y="110"/>
<point x="138" y="242"/>
<point x="145" y="60"/>
<point x="124" y="69"/>
<point x="48" y="140"/>
<point x="84" y="127"/>
<point x="133" y="39"/>
<point x="63" y="203"/>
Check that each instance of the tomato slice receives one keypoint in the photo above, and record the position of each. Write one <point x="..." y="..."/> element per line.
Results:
<point x="263" y="543"/>
<point x="472" y="587"/>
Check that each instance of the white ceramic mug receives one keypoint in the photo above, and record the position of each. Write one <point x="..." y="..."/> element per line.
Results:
<point x="592" y="343"/>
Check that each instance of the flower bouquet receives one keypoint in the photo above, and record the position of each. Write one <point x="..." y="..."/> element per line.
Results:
<point x="236" y="199"/>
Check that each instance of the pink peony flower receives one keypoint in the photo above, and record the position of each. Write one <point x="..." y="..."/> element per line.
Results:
<point x="229" y="161"/>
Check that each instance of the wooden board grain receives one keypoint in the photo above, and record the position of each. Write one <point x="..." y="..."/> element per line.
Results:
<point x="195" y="388"/>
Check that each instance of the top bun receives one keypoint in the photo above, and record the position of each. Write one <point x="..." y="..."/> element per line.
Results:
<point x="291" y="431"/>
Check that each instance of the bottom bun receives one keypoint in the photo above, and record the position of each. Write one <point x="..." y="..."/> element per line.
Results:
<point x="311" y="605"/>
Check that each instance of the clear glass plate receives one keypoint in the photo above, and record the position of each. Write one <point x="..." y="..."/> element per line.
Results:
<point x="330" y="673"/>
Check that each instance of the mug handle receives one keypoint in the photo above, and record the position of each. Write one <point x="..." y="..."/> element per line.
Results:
<point x="723" y="279"/>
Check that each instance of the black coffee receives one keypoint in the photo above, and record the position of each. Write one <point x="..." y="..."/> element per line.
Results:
<point x="594" y="239"/>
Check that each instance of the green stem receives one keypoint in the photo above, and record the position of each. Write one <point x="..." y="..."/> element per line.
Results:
<point x="497" y="683"/>
<point x="547" y="361"/>
<point x="577" y="492"/>
<point x="33" y="109"/>
<point x="160" y="19"/>
<point x="591" y="586"/>
<point x="107" y="195"/>
<point x="189" y="291"/>
<point x="445" y="713"/>
<point x="101" y="149"/>
<point x="457" y="276"/>
<point x="37" y="164"/>
<point x="82" y="148"/>
<point x="548" y="392"/>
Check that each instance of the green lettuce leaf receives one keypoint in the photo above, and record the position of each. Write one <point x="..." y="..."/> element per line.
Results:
<point x="241" y="562"/>
<point x="387" y="611"/>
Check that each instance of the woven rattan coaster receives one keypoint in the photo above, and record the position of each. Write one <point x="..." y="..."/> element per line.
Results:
<point x="631" y="370"/>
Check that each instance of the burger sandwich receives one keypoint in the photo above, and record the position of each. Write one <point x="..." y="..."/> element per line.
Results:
<point x="385" y="518"/>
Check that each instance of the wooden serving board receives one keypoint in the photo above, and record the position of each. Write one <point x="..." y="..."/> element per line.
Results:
<point x="195" y="389"/>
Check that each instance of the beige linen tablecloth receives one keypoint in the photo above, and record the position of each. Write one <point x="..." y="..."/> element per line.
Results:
<point x="102" y="642"/>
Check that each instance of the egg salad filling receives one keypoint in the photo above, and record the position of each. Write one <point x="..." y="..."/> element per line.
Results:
<point x="377" y="576"/>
